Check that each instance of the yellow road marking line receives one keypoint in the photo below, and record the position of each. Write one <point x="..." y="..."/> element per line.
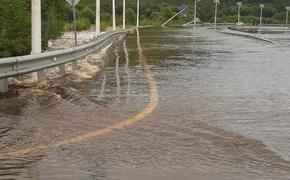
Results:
<point x="151" y="106"/>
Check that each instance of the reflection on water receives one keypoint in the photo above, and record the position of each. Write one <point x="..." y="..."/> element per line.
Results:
<point x="223" y="113"/>
<point x="117" y="77"/>
<point x="127" y="67"/>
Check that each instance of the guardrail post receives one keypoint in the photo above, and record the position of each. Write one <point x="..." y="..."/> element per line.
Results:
<point x="36" y="35"/>
<point x="62" y="68"/>
<point x="3" y="85"/>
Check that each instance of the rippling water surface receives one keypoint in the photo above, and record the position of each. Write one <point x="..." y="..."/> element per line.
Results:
<point x="223" y="113"/>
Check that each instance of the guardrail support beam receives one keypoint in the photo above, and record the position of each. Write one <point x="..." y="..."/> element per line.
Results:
<point x="36" y="34"/>
<point x="35" y="62"/>
<point x="3" y="85"/>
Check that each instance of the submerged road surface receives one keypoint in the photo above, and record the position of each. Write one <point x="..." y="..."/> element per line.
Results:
<point x="169" y="104"/>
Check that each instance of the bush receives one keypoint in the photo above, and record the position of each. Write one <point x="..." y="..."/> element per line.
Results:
<point x="87" y="12"/>
<point x="5" y="53"/>
<point x="82" y="24"/>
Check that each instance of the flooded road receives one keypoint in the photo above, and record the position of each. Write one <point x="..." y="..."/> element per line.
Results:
<point x="168" y="104"/>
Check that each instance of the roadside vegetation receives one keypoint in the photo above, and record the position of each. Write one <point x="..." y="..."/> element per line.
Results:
<point x="57" y="16"/>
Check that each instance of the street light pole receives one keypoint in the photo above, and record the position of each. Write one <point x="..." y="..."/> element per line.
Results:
<point x="239" y="4"/>
<point x="114" y="14"/>
<point x="215" y="13"/>
<point x="287" y="18"/>
<point x="195" y="11"/>
<point x="36" y="34"/>
<point x="195" y="3"/>
<point x="36" y="26"/>
<point x="262" y="6"/>
<point x="98" y="19"/>
<point x="124" y="14"/>
<point x="138" y="12"/>
<point x="163" y="25"/>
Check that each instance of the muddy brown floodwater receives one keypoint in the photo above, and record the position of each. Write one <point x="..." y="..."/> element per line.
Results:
<point x="220" y="111"/>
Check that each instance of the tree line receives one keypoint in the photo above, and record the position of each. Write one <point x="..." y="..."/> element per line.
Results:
<point x="15" y="17"/>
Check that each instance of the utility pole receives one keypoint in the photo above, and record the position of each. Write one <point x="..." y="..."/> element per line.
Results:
<point x="114" y="14"/>
<point x="124" y="14"/>
<point x="98" y="19"/>
<point x="262" y="6"/>
<point x="239" y="4"/>
<point x="215" y="13"/>
<point x="36" y="34"/>
<point x="138" y="13"/>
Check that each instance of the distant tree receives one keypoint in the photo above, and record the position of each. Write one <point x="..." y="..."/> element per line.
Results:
<point x="130" y="16"/>
<point x="15" y="18"/>
<point x="15" y="28"/>
<point x="53" y="14"/>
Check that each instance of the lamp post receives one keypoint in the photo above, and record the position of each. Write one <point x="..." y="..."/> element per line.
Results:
<point x="36" y="26"/>
<point x="215" y="12"/>
<point x="195" y="11"/>
<point x="287" y="16"/>
<point x="262" y="6"/>
<point x="36" y="34"/>
<point x="182" y="9"/>
<point x="124" y="14"/>
<point x="98" y="19"/>
<point x="239" y="4"/>
<point x="114" y="14"/>
<point x="138" y="13"/>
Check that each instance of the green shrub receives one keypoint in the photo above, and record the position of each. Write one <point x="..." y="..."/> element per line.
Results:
<point x="5" y="53"/>
<point x="83" y="24"/>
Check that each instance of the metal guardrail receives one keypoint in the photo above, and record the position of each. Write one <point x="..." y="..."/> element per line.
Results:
<point x="20" y="65"/>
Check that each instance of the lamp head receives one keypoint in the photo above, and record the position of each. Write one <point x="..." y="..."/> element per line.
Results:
<point x="262" y="5"/>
